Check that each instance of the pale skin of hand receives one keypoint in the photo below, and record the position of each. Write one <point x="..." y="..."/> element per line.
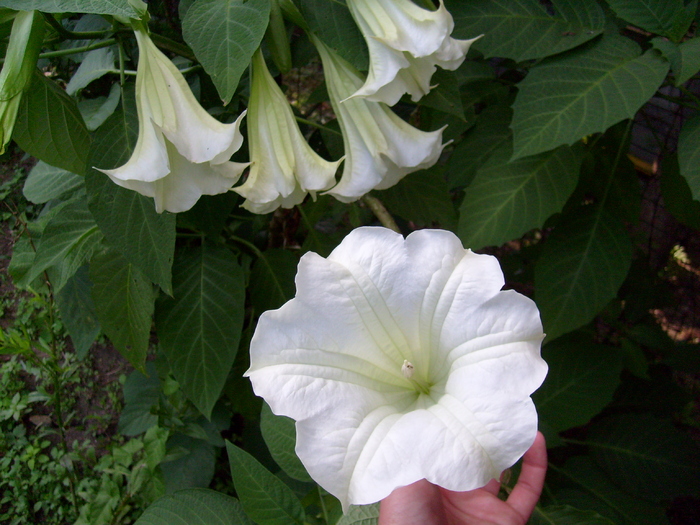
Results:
<point x="423" y="503"/>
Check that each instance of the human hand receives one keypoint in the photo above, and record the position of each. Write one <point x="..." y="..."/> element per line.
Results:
<point x="423" y="503"/>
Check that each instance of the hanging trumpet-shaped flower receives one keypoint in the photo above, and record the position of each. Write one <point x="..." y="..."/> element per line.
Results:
<point x="283" y="166"/>
<point x="401" y="360"/>
<point x="406" y="43"/>
<point x="380" y="147"/>
<point x="182" y="152"/>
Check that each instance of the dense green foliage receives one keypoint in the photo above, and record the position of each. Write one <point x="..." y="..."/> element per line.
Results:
<point x="541" y="117"/>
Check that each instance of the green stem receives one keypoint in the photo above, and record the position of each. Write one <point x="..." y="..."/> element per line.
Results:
<point x="249" y="244"/>
<point x="82" y="49"/>
<point x="317" y="125"/>
<point x="374" y="204"/>
<point x="74" y="35"/>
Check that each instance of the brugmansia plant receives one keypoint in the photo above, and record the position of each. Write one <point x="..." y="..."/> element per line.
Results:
<point x="415" y="229"/>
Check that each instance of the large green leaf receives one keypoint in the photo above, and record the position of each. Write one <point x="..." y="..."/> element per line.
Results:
<point x="646" y="457"/>
<point x="77" y="311"/>
<point x="195" y="468"/>
<point x="361" y="515"/>
<point x="195" y="507"/>
<point x="46" y="182"/>
<point x="678" y="198"/>
<point x="127" y="219"/>
<point x="489" y="133"/>
<point x="200" y="327"/>
<point x="664" y="17"/>
<point x="507" y="199"/>
<point x="581" y="381"/>
<point x="124" y="304"/>
<point x="422" y="197"/>
<point x="523" y="29"/>
<point x="689" y="154"/>
<point x="580" y="269"/>
<point x="50" y="127"/>
<point x="333" y="24"/>
<point x="593" y="490"/>
<point x="280" y="437"/>
<point x="68" y="241"/>
<point x="265" y="498"/>
<point x="224" y="34"/>
<point x="100" y="7"/>
<point x="272" y="279"/>
<point x="566" y="515"/>
<point x="584" y="91"/>
<point x="445" y="96"/>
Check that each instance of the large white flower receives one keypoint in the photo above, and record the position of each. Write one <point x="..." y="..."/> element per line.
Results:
<point x="402" y="360"/>
<point x="406" y="44"/>
<point x="380" y="147"/>
<point x="181" y="152"/>
<point x="284" y="167"/>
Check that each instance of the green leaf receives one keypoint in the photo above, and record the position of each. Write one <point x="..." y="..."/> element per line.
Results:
<point x="524" y="30"/>
<point x="663" y="17"/>
<point x="96" y="64"/>
<point x="445" y="96"/>
<point x="333" y="24"/>
<point x="127" y="219"/>
<point x="50" y="127"/>
<point x="46" y="182"/>
<point x="200" y="327"/>
<point x="422" y="197"/>
<point x="646" y="457"/>
<point x="507" y="199"/>
<point x="279" y="434"/>
<point x="100" y="7"/>
<point x="361" y="515"/>
<point x="690" y="60"/>
<point x="265" y="498"/>
<point x="141" y="394"/>
<point x="195" y="507"/>
<point x="689" y="154"/>
<point x="597" y="493"/>
<point x="580" y="269"/>
<point x="224" y="34"/>
<point x="489" y="133"/>
<point x="77" y="310"/>
<point x="68" y="241"/>
<point x="96" y="110"/>
<point x="581" y="381"/>
<point x="566" y="515"/>
<point x="124" y="303"/>
<point x="564" y="98"/>
<point x="678" y="198"/>
<point x="195" y="468"/>
<point x="272" y="279"/>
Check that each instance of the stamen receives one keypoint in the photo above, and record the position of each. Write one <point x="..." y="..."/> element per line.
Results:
<point x="407" y="369"/>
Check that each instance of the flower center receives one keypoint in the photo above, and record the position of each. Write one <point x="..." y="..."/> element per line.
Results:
<point x="407" y="369"/>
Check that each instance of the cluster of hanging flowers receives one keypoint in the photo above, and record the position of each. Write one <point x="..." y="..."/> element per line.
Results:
<point x="183" y="153"/>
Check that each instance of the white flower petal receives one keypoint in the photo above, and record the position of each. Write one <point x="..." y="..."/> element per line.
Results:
<point x="406" y="43"/>
<point x="380" y="148"/>
<point x="333" y="359"/>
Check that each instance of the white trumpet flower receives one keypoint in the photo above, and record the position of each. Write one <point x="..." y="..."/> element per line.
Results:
<point x="181" y="152"/>
<point x="283" y="166"/>
<point x="380" y="147"/>
<point x="401" y="360"/>
<point x="406" y="44"/>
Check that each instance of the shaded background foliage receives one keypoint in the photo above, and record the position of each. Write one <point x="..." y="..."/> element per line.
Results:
<point x="574" y="159"/>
